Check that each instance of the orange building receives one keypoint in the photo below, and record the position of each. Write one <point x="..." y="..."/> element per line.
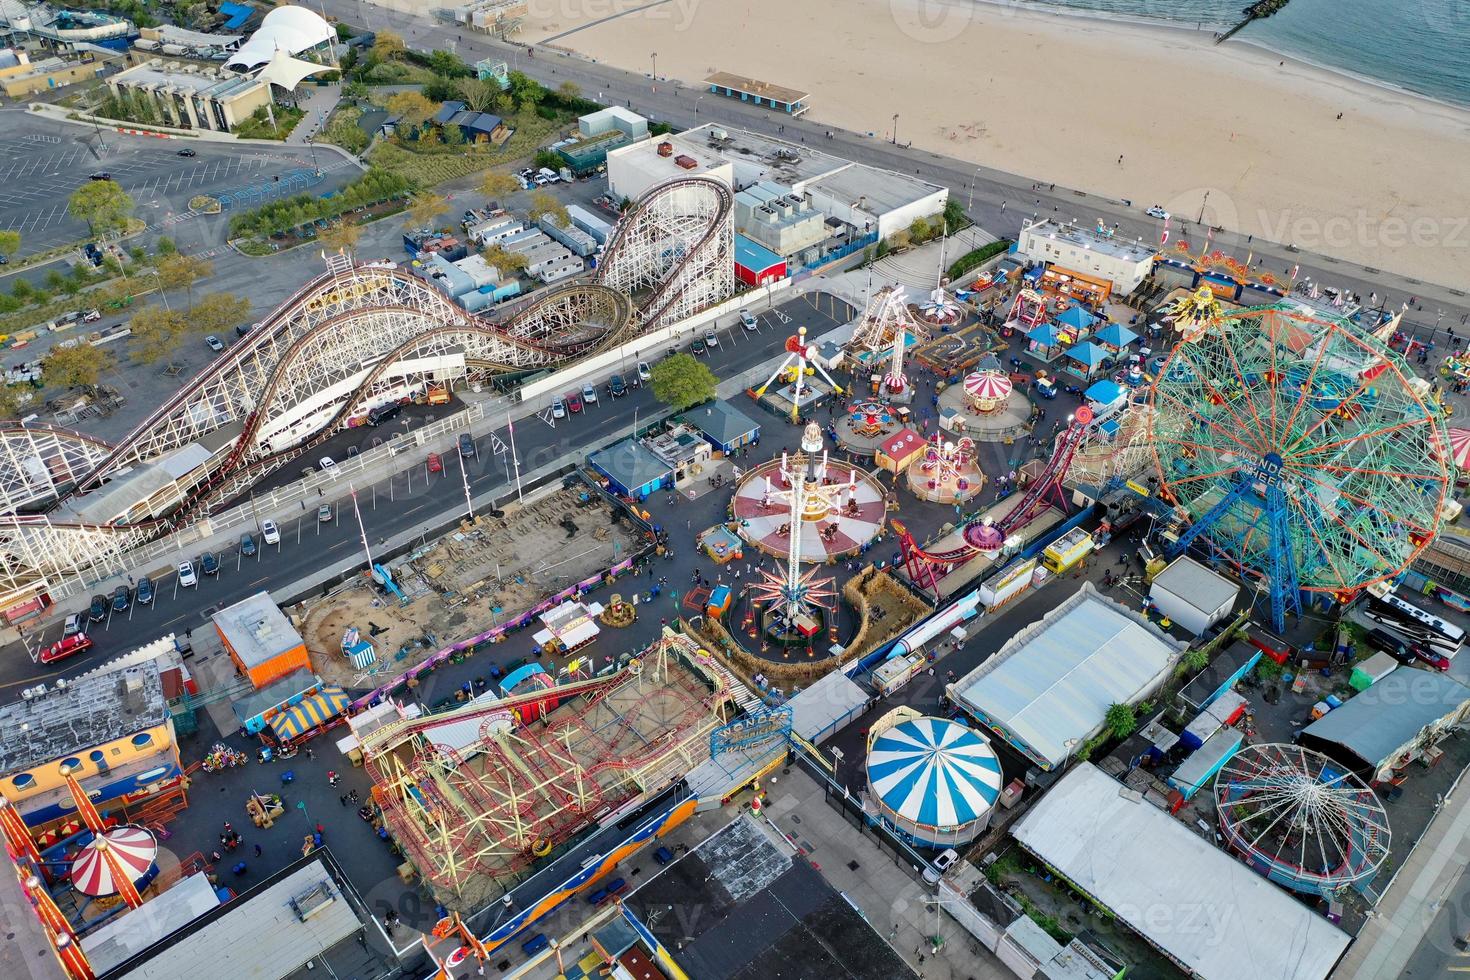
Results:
<point x="260" y="639"/>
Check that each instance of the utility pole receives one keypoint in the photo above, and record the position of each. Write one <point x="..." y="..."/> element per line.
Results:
<point x="361" y="529"/>
<point x="515" y="458"/>
<point x="895" y="129"/>
<point x="464" y="474"/>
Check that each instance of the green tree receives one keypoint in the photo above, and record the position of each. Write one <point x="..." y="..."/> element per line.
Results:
<point x="569" y="91"/>
<point x="411" y="107"/>
<point x="166" y="246"/>
<point x="102" y="204"/>
<point x="22" y="290"/>
<point x="55" y="281"/>
<point x="920" y="230"/>
<point x="507" y="262"/>
<point x="355" y="91"/>
<point x="1268" y="670"/>
<point x="682" y="382"/>
<point x="502" y="105"/>
<point x="218" y="313"/>
<point x="80" y="365"/>
<point x="449" y="64"/>
<point x="340" y="236"/>
<point x="1120" y="720"/>
<point x="526" y="91"/>
<point x="12" y="399"/>
<point x="954" y="215"/>
<point x="389" y="46"/>
<point x="1194" y="661"/>
<point x="478" y="94"/>
<point x="9" y="244"/>
<point x="183" y="272"/>
<point x="424" y="208"/>
<point x="157" y="332"/>
<point x="543" y="203"/>
<point x="496" y="185"/>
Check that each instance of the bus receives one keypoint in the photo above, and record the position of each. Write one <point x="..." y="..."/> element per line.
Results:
<point x="1439" y="635"/>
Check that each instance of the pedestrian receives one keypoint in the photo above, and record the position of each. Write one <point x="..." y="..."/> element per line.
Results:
<point x="332" y="777"/>
<point x="257" y="850"/>
<point x="342" y="799"/>
<point x="309" y="753"/>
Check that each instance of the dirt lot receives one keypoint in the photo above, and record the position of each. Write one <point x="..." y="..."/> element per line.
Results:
<point x="468" y="580"/>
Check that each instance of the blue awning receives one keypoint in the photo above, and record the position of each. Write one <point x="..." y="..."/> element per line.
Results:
<point x="1077" y="318"/>
<point x="1104" y="393"/>
<point x="754" y="256"/>
<point x="238" y="14"/>
<point x="1045" y="335"/>
<point x="1089" y="354"/>
<point x="1116" y="335"/>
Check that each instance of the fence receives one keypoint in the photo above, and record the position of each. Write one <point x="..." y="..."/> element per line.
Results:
<point x="844" y="251"/>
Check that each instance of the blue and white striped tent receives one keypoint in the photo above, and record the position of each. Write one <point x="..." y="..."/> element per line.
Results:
<point x="934" y="774"/>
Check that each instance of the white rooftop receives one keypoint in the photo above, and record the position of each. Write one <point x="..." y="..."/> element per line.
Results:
<point x="1208" y="911"/>
<point x="1119" y="248"/>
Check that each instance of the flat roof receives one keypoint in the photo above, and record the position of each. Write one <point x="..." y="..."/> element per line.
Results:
<point x="130" y="933"/>
<point x="27" y="953"/>
<point x="1087" y="238"/>
<point x="753" y="86"/>
<point x="1378" y="722"/>
<point x="1202" y="587"/>
<point x="260" y="935"/>
<point x="1049" y="688"/>
<point x="275" y="693"/>
<point x="754" y="256"/>
<point x="90" y="710"/>
<point x="630" y="463"/>
<point x="1224" y="665"/>
<point x="816" y="711"/>
<point x="256" y="629"/>
<point x="781" y="162"/>
<point x="1199" y="905"/>
<point x="881" y="191"/>
<point x="120" y="495"/>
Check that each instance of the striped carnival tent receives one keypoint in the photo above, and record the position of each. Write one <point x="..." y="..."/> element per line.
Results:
<point x="934" y="779"/>
<point x="315" y="710"/>
<point x="133" y="850"/>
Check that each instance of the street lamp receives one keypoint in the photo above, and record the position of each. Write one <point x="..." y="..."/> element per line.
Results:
<point x="654" y="58"/>
<point x="895" y="129"/>
<point x="971" y="198"/>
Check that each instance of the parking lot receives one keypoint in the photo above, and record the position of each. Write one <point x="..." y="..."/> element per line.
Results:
<point x="43" y="161"/>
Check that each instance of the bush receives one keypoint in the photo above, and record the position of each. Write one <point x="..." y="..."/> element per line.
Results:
<point x="970" y="260"/>
<point x="279" y="217"/>
<point x="545" y="112"/>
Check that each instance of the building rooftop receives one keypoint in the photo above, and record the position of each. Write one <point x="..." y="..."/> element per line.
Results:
<point x="1198" y="904"/>
<point x="89" y="711"/>
<point x="630" y="463"/>
<point x="197" y="82"/>
<point x="772" y="159"/>
<point x="256" y="629"/>
<point x="273" y="694"/>
<point x="130" y="933"/>
<point x="1048" y="689"/>
<point x="1200" y="586"/>
<point x="1089" y="239"/>
<point x="872" y="190"/>
<point x="1389" y="715"/>
<point x="754" y="256"/>
<point x="721" y="421"/>
<point x="1222" y="666"/>
<point x="752" y="86"/>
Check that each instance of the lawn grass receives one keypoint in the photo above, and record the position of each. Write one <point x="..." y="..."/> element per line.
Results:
<point x="435" y="165"/>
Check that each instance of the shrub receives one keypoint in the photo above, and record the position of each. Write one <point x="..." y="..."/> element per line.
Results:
<point x="970" y="260"/>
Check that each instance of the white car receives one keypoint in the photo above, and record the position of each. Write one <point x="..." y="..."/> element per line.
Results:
<point x="269" y="533"/>
<point x="187" y="578"/>
<point x="329" y="467"/>
<point x="644" y="374"/>
<point x="945" y="861"/>
<point x="748" y="321"/>
<point x="589" y="394"/>
<point x="214" y="343"/>
<point x="558" y="407"/>
<point x="710" y="340"/>
<point x="1157" y="212"/>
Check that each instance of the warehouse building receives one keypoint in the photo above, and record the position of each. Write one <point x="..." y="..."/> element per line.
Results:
<point x="1204" y="910"/>
<point x="1048" y="690"/>
<point x="1401" y="718"/>
<point x="1192" y="595"/>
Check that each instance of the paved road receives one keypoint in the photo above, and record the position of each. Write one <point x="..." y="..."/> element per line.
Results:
<point x="412" y="499"/>
<point x="996" y="199"/>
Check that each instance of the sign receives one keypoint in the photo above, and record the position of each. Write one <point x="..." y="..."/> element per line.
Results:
<point x="1142" y="491"/>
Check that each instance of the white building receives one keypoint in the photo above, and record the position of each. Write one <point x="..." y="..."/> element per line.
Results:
<point x="1192" y="595"/>
<point x="637" y="167"/>
<point x="1086" y="254"/>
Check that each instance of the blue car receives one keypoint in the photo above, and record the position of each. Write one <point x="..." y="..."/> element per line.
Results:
<point x="145" y="591"/>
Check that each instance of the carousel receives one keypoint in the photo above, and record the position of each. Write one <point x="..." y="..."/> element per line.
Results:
<point x="129" y="853"/>
<point x="985" y="406"/>
<point x="948" y="473"/>
<point x="867" y="424"/>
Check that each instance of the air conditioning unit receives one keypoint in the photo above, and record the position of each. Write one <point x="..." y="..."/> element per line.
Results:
<point x="313" y="900"/>
<point x="666" y="149"/>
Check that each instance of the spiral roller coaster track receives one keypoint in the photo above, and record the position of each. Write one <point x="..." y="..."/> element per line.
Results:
<point x="340" y="341"/>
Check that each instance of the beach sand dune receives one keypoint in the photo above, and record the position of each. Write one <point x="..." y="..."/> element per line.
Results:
<point x="1060" y="98"/>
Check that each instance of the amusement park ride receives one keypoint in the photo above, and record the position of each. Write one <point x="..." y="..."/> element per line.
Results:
<point x="1299" y="448"/>
<point x="985" y="536"/>
<point x="884" y="329"/>
<point x="798" y="353"/>
<point x="795" y="604"/>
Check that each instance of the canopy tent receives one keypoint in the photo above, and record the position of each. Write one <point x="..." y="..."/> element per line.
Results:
<point x="987" y="386"/>
<point x="290" y="29"/>
<point x="1104" y="392"/>
<point x="1115" y="335"/>
<point x="934" y="772"/>
<point x="1044" y="335"/>
<point x="1460" y="448"/>
<point x="134" y="849"/>
<point x="1089" y="355"/>
<point x="311" y="712"/>
<point x="288" y="72"/>
<point x="1076" y="318"/>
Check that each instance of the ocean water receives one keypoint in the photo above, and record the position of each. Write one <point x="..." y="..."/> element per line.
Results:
<point x="1422" y="46"/>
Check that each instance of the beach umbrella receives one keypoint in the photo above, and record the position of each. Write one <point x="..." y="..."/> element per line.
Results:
<point x="1460" y="447"/>
<point x="133" y="850"/>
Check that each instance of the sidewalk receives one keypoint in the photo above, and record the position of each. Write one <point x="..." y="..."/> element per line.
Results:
<point x="896" y="902"/>
<point x="1403" y="918"/>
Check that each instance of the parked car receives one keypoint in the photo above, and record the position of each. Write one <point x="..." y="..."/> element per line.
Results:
<point x="711" y="340"/>
<point x="748" y="321"/>
<point x="574" y="402"/>
<point x="73" y="625"/>
<point x="697" y="348"/>
<point x="383" y="413"/>
<point x="644" y="373"/>
<point x="186" y="152"/>
<point x="466" y="446"/>
<point x="558" y="407"/>
<point x="1407" y="652"/>
<point x="209" y="563"/>
<point x="247" y="545"/>
<point x="100" y="175"/>
<point x="946" y="860"/>
<point x="1157" y="212"/>
<point x="324" y="513"/>
<point x="215" y="344"/>
<point x="616" y="387"/>
<point x="187" y="578"/>
<point x="144" y="594"/>
<point x="329" y="466"/>
<point x="435" y="464"/>
<point x="67" y="646"/>
<point x="122" y="598"/>
<point x="97" y="611"/>
<point x="589" y="394"/>
<point x="269" y="533"/>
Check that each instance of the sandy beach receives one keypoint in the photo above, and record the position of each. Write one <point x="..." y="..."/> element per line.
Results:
<point x="1060" y="98"/>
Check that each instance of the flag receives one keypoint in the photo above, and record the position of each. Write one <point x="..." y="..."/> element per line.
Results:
<point x="1164" y="235"/>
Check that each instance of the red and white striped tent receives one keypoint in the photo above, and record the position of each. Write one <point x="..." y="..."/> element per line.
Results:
<point x="134" y="850"/>
<point x="1460" y="448"/>
<point x="987" y="387"/>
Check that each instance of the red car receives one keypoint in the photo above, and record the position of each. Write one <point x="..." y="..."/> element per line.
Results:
<point x="436" y="465"/>
<point x="66" y="647"/>
<point x="574" y="402"/>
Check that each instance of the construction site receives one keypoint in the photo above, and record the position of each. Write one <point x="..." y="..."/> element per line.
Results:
<point x="481" y="797"/>
<point x="459" y="585"/>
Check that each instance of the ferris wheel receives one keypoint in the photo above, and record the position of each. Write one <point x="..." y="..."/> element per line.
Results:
<point x="1301" y="450"/>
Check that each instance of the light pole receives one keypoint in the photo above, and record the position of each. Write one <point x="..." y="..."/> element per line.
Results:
<point x="362" y="530"/>
<point x="971" y="198"/>
<point x="515" y="458"/>
<point x="1202" y="208"/>
<point x="654" y="58"/>
<point x="464" y="474"/>
<point x="895" y="129"/>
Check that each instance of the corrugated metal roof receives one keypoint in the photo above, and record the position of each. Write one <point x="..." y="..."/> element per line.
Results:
<point x="1051" y="685"/>
<point x="1201" y="587"/>
<point x="1377" y="723"/>
<point x="1201" y="906"/>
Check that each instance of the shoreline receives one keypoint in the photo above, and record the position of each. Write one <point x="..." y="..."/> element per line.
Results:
<point x="1293" y="152"/>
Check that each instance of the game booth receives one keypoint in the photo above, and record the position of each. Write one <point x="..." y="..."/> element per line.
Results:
<point x="1077" y="285"/>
